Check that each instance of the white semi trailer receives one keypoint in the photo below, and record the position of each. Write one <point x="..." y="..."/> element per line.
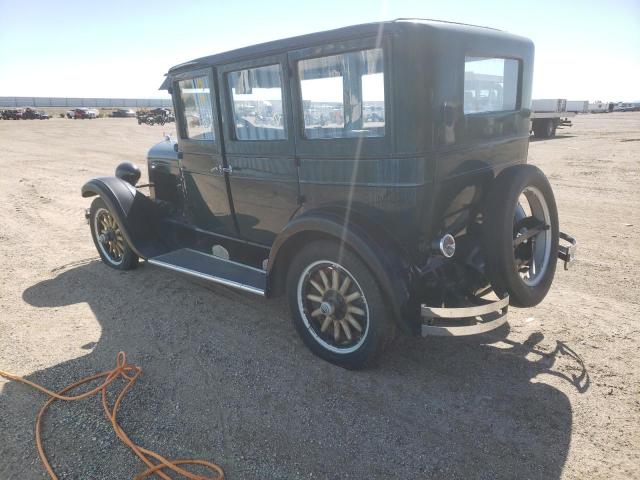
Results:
<point x="578" y="106"/>
<point x="599" y="107"/>
<point x="547" y="115"/>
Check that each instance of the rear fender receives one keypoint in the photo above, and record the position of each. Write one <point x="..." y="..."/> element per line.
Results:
<point x="387" y="261"/>
<point x="137" y="215"/>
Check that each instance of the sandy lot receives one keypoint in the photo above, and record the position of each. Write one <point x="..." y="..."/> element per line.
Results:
<point x="554" y="395"/>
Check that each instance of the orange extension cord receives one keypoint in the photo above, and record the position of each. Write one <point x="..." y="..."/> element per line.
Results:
<point x="130" y="373"/>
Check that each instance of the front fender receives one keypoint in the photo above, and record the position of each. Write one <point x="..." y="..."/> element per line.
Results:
<point x="388" y="263"/>
<point x="136" y="214"/>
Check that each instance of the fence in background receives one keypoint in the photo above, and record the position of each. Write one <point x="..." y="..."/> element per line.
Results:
<point x="61" y="102"/>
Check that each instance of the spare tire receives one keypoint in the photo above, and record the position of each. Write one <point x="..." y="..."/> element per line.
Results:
<point x="520" y="235"/>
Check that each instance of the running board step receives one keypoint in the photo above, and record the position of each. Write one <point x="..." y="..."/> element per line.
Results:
<point x="213" y="269"/>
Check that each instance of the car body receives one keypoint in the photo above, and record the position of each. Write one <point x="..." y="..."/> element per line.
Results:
<point x="364" y="171"/>
<point x="123" y="113"/>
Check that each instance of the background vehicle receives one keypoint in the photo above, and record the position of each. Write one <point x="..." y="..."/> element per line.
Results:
<point x="82" y="113"/>
<point x="599" y="107"/>
<point x="626" y="107"/>
<point x="155" y="116"/>
<point x="406" y="219"/>
<point x="577" y="106"/>
<point x="123" y="113"/>
<point x="12" y="114"/>
<point x="32" y="114"/>
<point x="547" y="115"/>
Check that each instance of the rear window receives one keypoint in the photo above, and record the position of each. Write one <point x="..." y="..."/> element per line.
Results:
<point x="490" y="84"/>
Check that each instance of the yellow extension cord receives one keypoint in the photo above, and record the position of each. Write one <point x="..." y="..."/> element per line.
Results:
<point x="130" y="373"/>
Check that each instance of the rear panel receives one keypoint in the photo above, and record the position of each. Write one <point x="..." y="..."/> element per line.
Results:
<point x="480" y="113"/>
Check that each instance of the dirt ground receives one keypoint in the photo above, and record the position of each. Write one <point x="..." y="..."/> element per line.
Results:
<point x="556" y="394"/>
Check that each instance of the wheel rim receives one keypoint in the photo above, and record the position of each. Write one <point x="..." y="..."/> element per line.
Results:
<point x="109" y="236"/>
<point x="333" y="306"/>
<point x="532" y="236"/>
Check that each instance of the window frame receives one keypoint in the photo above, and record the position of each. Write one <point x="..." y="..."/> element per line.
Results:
<point x="178" y="106"/>
<point x="518" y="105"/>
<point x="261" y="146"/>
<point x="342" y="146"/>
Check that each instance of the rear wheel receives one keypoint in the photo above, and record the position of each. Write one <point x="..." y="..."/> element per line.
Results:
<point x="337" y="305"/>
<point x="109" y="239"/>
<point x="544" y="129"/>
<point x="521" y="235"/>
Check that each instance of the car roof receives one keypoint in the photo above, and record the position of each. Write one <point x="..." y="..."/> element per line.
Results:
<point x="340" y="34"/>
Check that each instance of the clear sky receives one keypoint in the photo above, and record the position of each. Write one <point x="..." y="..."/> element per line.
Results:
<point x="585" y="50"/>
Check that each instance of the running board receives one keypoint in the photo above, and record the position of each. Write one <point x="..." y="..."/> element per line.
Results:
<point x="213" y="269"/>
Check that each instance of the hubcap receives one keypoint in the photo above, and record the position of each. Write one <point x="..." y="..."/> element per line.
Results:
<point x="333" y="306"/>
<point x="110" y="239"/>
<point x="532" y="236"/>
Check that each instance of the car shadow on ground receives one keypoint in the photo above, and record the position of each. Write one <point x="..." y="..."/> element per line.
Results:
<point x="226" y="379"/>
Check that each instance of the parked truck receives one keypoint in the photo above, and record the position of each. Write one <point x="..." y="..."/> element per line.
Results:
<point x="547" y="115"/>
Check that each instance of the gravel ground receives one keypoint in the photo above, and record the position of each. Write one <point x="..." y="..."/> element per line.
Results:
<point x="553" y="395"/>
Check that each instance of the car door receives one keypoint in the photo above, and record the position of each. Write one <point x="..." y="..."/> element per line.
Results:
<point x="259" y="146"/>
<point x="201" y="159"/>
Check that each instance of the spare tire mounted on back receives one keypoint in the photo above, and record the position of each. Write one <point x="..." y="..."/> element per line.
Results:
<point x="520" y="235"/>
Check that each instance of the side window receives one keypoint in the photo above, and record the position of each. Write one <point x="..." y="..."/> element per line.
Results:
<point x="197" y="114"/>
<point x="256" y="95"/>
<point x="343" y="95"/>
<point x="490" y="84"/>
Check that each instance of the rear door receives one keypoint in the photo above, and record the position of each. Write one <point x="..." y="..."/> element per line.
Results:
<point x="202" y="161"/>
<point x="259" y="145"/>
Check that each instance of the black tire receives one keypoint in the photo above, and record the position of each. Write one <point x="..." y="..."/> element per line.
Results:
<point x="128" y="260"/>
<point x="379" y="328"/>
<point x="544" y="129"/>
<point x="499" y="233"/>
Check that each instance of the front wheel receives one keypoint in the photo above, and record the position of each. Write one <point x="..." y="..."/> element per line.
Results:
<point x="109" y="239"/>
<point x="337" y="306"/>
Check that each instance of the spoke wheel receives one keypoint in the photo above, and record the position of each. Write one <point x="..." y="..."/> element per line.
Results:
<point x="333" y="306"/>
<point x="109" y="236"/>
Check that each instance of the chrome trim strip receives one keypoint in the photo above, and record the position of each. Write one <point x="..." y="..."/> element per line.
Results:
<point x="463" y="331"/>
<point x="500" y="306"/>
<point x="204" y="276"/>
<point x="464" y="312"/>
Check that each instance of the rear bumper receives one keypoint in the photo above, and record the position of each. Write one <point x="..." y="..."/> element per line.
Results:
<point x="479" y="316"/>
